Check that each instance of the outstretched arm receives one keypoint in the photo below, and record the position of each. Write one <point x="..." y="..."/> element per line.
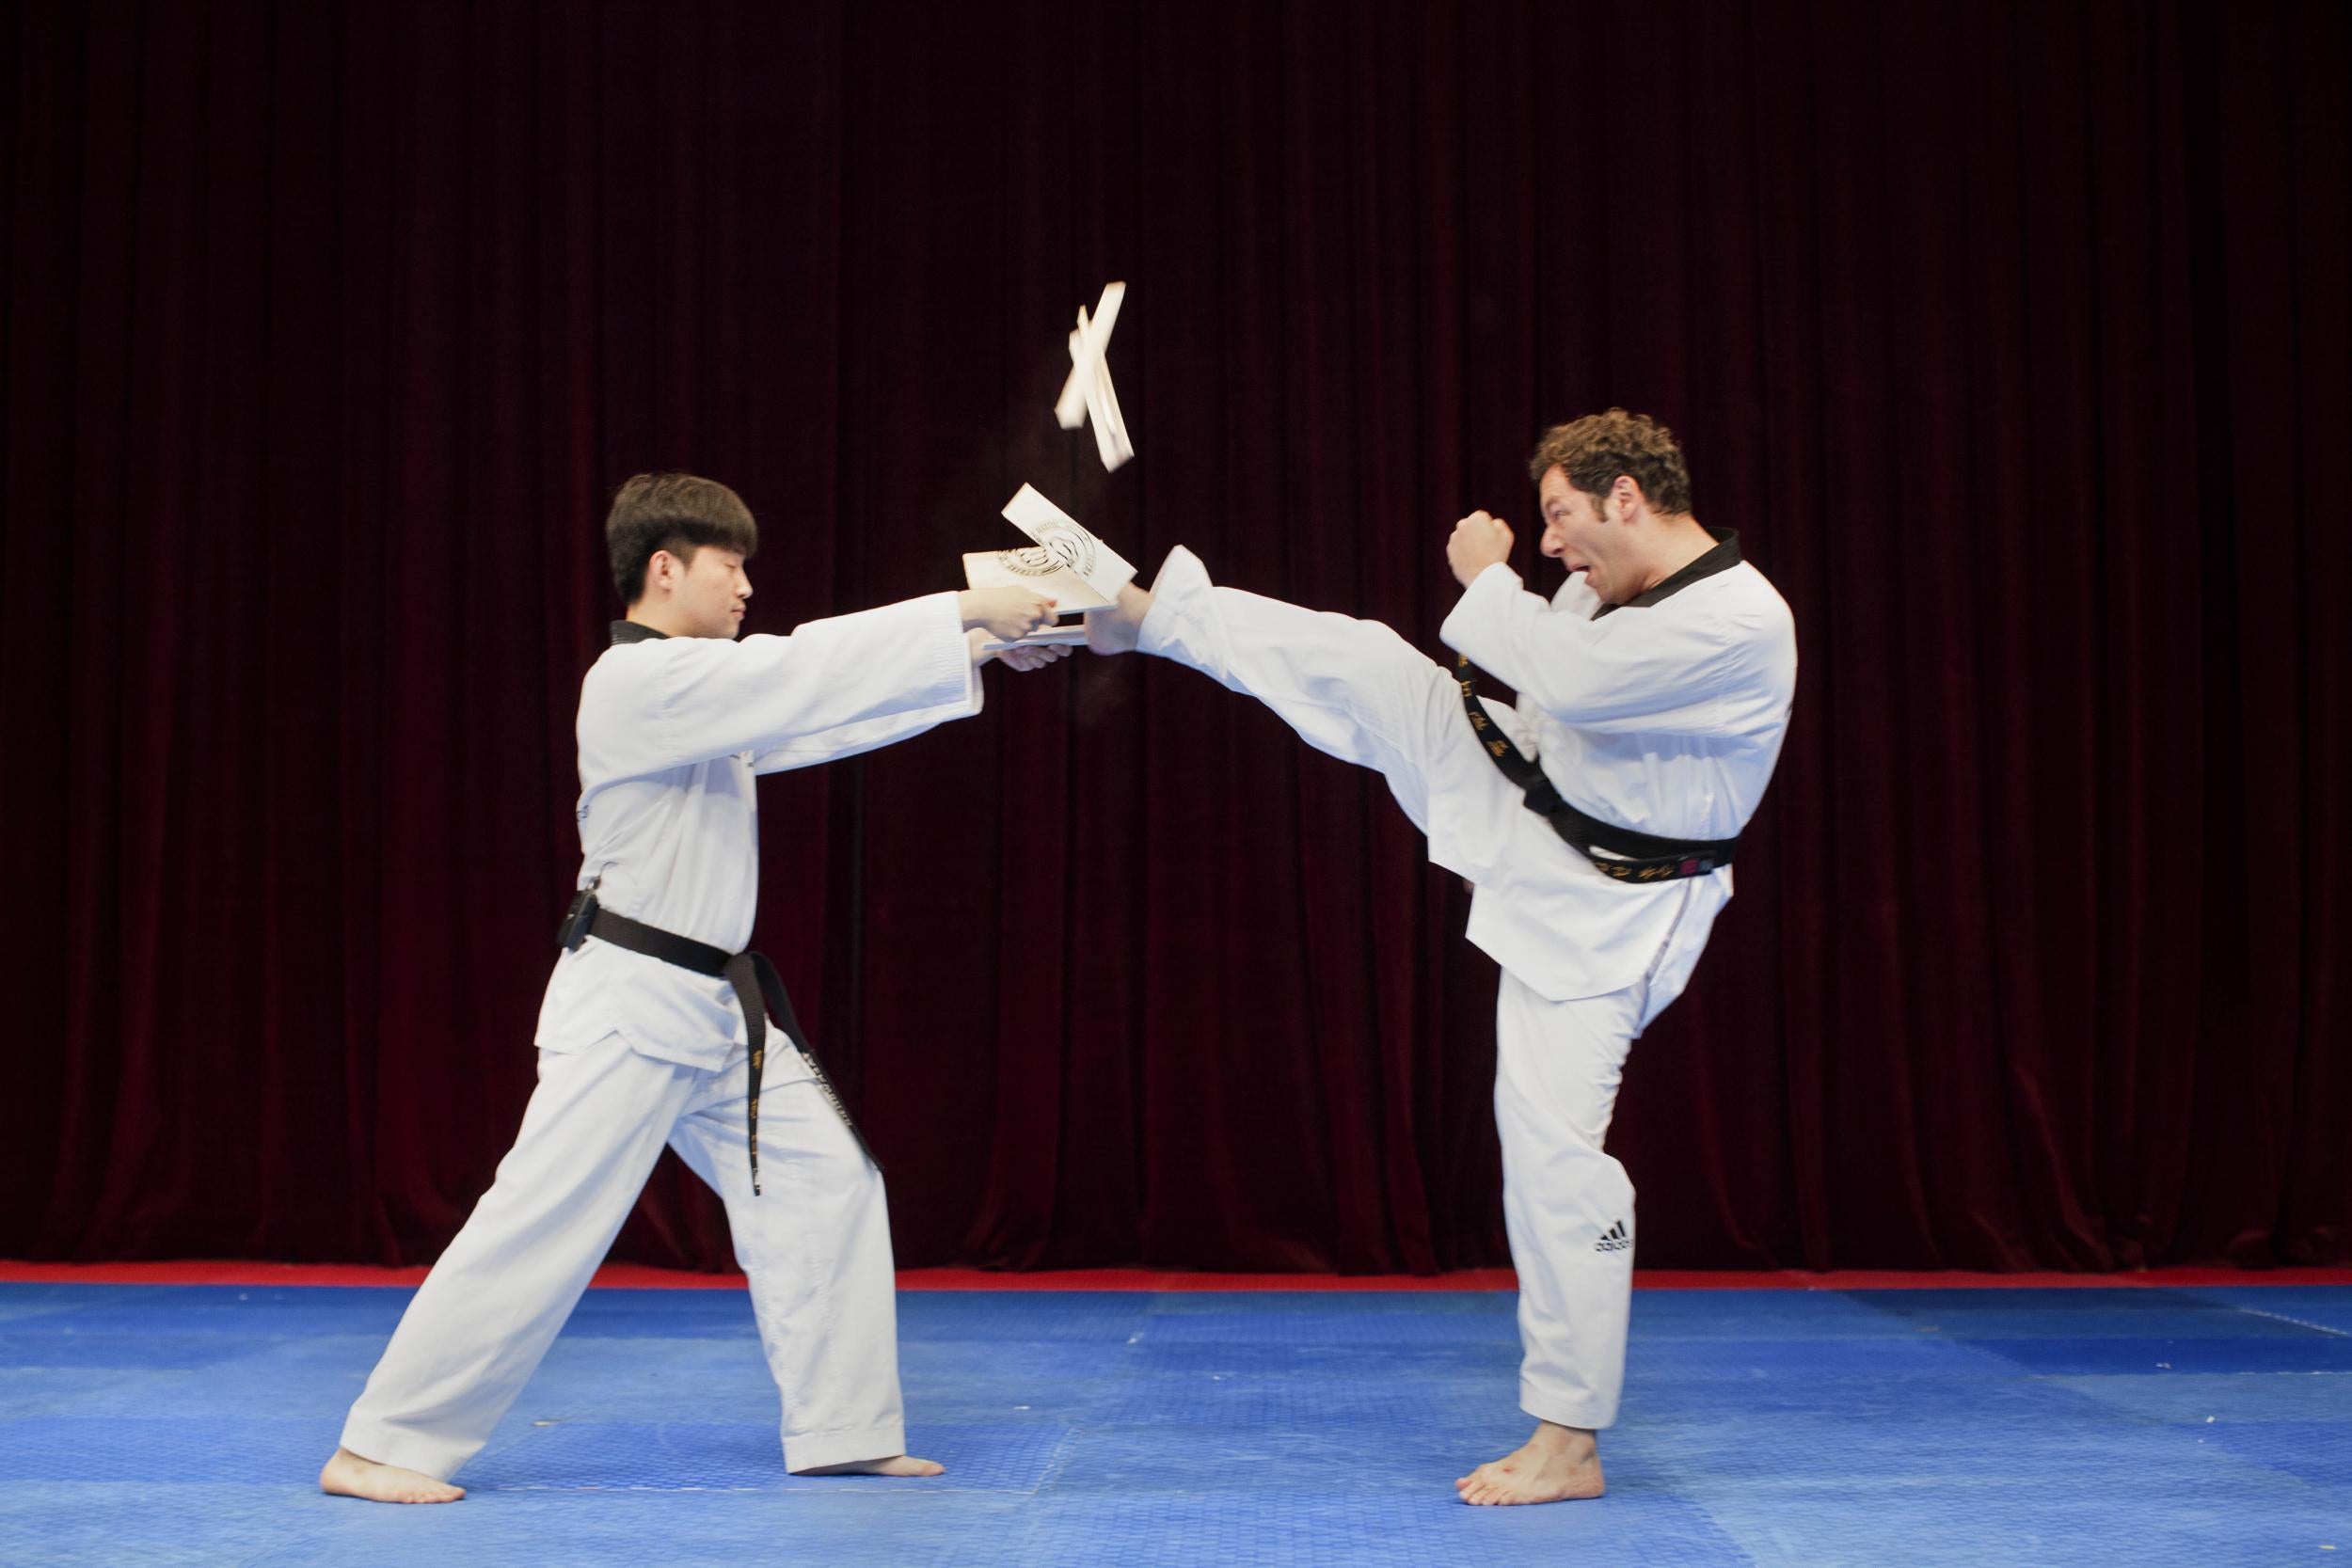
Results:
<point x="686" y="700"/>
<point x="872" y="733"/>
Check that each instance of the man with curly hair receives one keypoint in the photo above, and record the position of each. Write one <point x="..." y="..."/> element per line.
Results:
<point x="1596" y="821"/>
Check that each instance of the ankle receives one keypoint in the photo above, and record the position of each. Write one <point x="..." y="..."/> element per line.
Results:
<point x="1551" y="1437"/>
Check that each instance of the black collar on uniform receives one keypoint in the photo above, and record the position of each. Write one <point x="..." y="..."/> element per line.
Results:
<point x="1722" y="558"/>
<point x="633" y="631"/>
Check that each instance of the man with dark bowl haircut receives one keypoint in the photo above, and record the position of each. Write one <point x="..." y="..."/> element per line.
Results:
<point x="656" y="1027"/>
<point x="1596" y="820"/>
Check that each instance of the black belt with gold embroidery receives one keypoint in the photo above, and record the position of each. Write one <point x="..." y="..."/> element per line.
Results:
<point x="755" y="982"/>
<point x="1630" y="857"/>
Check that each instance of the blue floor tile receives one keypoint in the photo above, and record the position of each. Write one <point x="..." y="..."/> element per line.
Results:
<point x="183" y="1425"/>
<point x="2263" y="1351"/>
<point x="2324" y="1306"/>
<point x="2192" y="1398"/>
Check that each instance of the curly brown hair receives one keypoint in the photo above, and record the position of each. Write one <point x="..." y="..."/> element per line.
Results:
<point x="679" y="513"/>
<point x="1595" y="449"/>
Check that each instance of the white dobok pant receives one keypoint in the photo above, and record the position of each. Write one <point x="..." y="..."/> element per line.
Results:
<point x="814" y="1245"/>
<point x="1358" y="692"/>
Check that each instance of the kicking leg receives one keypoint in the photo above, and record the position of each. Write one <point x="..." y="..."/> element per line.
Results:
<point x="485" y="1315"/>
<point x="815" y="1246"/>
<point x="1352" y="688"/>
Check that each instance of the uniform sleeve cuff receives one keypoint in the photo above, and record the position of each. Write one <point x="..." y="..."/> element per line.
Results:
<point x="1476" y="609"/>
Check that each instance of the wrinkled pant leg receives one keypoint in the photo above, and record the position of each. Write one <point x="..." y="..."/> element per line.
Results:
<point x="485" y="1317"/>
<point x="1351" y="688"/>
<point x="814" y="1245"/>
<point x="1567" y="1204"/>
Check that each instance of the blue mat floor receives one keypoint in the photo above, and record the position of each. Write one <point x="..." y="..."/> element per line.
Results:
<point x="183" y="1425"/>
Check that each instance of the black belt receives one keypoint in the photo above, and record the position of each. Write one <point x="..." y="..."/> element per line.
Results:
<point x="755" y="979"/>
<point x="1631" y="857"/>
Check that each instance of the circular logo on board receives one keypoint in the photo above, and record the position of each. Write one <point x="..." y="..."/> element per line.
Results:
<point x="1031" y="563"/>
<point x="1073" y="548"/>
<point x="1057" y="549"/>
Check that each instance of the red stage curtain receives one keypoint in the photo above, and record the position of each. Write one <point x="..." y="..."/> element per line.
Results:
<point x="2011" y="336"/>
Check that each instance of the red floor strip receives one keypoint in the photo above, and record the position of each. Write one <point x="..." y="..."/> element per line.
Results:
<point x="638" y="1276"/>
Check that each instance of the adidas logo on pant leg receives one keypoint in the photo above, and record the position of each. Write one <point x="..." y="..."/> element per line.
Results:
<point x="1614" y="1239"/>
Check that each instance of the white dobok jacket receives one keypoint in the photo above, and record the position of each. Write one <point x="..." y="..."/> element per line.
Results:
<point x="1663" y="715"/>
<point x="672" y="732"/>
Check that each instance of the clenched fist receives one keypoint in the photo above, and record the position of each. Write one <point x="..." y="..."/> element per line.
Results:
<point x="1479" y="540"/>
<point x="1006" y="612"/>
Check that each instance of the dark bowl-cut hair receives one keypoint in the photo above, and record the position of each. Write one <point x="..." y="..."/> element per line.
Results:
<point x="678" y="513"/>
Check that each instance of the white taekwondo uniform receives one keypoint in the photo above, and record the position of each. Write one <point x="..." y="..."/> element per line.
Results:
<point x="1664" y="716"/>
<point x="635" y="1053"/>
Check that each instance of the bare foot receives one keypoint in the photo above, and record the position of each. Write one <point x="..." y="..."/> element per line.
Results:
<point x="347" y="1475"/>
<point x="1557" y="1464"/>
<point x="1115" y="629"/>
<point x="897" y="1465"/>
